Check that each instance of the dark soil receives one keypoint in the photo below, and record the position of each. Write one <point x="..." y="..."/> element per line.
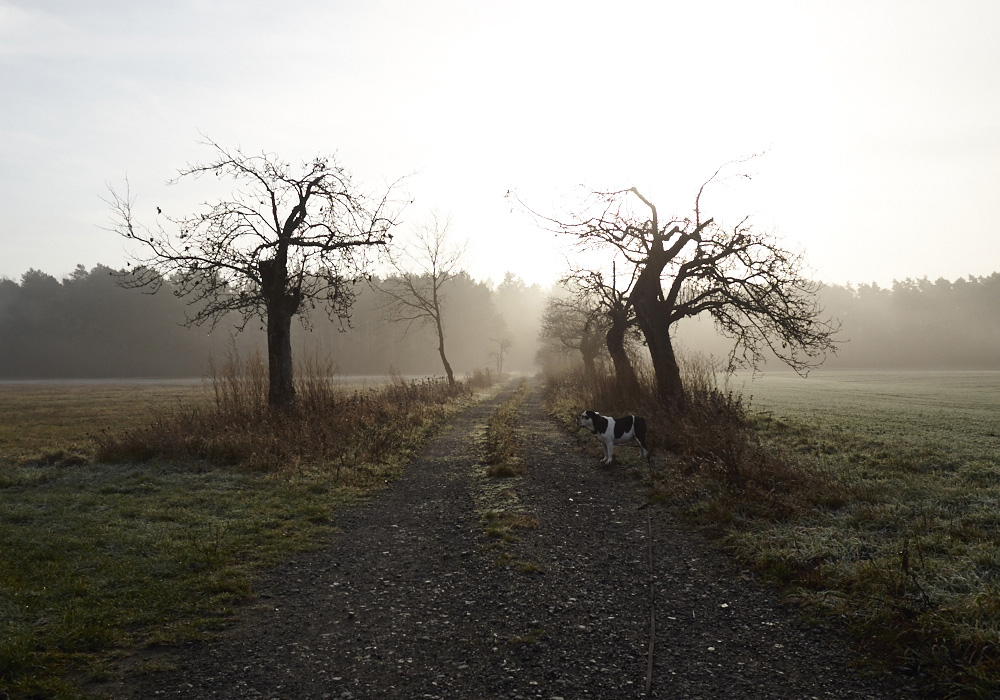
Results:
<point x="408" y="600"/>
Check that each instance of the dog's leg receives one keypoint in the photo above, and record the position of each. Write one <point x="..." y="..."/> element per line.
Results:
<point x="640" y="436"/>
<point x="645" y="451"/>
<point x="609" y="449"/>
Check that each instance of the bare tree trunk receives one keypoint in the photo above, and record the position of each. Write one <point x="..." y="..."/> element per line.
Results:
<point x="623" y="366"/>
<point x="653" y="317"/>
<point x="281" y="388"/>
<point x="281" y="306"/>
<point x="652" y="313"/>
<point x="668" y="374"/>
<point x="589" y="367"/>
<point x="444" y="360"/>
<point x="655" y="328"/>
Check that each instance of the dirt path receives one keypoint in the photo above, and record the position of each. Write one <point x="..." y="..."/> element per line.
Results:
<point x="408" y="602"/>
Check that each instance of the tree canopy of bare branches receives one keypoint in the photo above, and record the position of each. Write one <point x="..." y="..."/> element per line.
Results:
<point x="286" y="241"/>
<point x="754" y="288"/>
<point x="415" y="292"/>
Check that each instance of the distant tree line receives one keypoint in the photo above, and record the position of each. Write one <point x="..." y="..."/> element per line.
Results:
<point x="87" y="326"/>
<point x="913" y="324"/>
<point x="919" y="323"/>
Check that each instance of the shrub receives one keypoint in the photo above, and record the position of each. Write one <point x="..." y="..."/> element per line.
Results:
<point x="709" y="458"/>
<point x="329" y="426"/>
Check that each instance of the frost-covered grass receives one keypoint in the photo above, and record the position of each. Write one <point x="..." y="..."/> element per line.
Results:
<point x="44" y="417"/>
<point x="912" y="557"/>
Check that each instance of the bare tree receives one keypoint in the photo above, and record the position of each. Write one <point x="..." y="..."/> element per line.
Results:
<point x="287" y="241"/>
<point x="503" y="347"/>
<point x="611" y="297"/>
<point x="415" y="292"/>
<point x="753" y="288"/>
<point x="576" y="323"/>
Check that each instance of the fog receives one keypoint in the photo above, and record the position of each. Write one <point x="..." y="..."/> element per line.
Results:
<point x="913" y="324"/>
<point x="85" y="326"/>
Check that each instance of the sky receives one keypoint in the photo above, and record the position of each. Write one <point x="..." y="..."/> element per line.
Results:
<point x="877" y="123"/>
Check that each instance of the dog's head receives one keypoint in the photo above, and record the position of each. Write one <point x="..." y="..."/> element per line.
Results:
<point x="587" y="419"/>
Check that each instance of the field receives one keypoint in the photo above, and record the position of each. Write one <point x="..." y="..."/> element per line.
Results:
<point x="911" y="555"/>
<point x="44" y="417"/>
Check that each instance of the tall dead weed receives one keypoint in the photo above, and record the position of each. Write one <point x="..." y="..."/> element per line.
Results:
<point x="329" y="426"/>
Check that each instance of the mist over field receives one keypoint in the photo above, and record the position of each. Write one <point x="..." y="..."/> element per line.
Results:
<point x="85" y="326"/>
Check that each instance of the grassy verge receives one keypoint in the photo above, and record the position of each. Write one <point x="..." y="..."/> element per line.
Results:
<point x="876" y="506"/>
<point x="151" y="534"/>
<point x="500" y="509"/>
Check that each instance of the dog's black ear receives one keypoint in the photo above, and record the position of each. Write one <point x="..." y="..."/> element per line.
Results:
<point x="591" y="414"/>
<point x="599" y="421"/>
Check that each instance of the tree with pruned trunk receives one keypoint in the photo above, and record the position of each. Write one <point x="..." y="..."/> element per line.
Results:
<point x="754" y="289"/>
<point x="288" y="240"/>
<point x="576" y="323"/>
<point x="611" y="298"/>
<point x="416" y="290"/>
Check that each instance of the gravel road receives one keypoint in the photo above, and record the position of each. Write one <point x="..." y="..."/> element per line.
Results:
<point x="408" y="601"/>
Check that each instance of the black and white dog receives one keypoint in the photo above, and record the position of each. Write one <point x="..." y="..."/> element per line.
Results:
<point x="615" y="431"/>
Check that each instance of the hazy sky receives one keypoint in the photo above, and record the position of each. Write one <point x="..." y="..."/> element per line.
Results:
<point x="879" y="121"/>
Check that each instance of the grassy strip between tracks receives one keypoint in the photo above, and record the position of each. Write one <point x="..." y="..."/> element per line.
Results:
<point x="500" y="508"/>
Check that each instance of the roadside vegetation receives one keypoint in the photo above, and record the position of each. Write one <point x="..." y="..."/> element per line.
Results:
<point x="327" y="427"/>
<point x="873" y="502"/>
<point x="121" y="532"/>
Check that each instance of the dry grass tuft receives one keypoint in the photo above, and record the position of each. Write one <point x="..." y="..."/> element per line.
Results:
<point x="327" y="428"/>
